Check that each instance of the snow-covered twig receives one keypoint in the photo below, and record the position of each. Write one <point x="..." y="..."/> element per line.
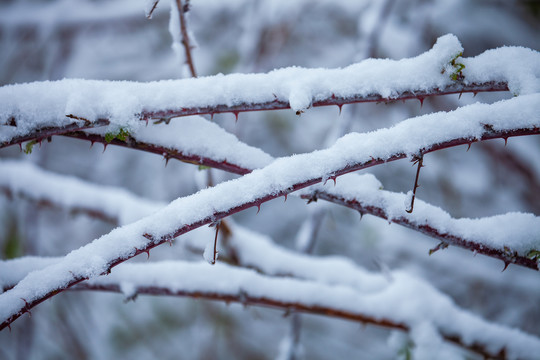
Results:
<point x="248" y="287"/>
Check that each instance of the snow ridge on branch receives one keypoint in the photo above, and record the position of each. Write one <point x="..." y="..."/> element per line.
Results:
<point x="124" y="103"/>
<point x="364" y="303"/>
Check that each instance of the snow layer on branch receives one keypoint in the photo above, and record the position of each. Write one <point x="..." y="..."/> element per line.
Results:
<point x="39" y="185"/>
<point x="195" y="135"/>
<point x="519" y="66"/>
<point x="35" y="105"/>
<point x="398" y="301"/>
<point x="409" y="137"/>
<point x="518" y="231"/>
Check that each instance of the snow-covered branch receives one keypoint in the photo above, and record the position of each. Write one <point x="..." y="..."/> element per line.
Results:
<point x="352" y="152"/>
<point x="124" y="104"/>
<point x="195" y="137"/>
<point x="380" y="301"/>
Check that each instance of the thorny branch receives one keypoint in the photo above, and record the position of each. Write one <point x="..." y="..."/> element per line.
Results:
<point x="184" y="228"/>
<point x="277" y="104"/>
<point x="245" y="298"/>
<point x="182" y="9"/>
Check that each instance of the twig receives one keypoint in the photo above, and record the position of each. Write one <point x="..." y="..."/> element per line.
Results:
<point x="154" y="6"/>
<point x="185" y="36"/>
<point x="416" y="185"/>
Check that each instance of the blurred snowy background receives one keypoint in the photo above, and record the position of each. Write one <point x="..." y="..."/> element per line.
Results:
<point x="113" y="40"/>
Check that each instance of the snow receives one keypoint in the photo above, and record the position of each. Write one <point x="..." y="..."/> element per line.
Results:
<point x="40" y="104"/>
<point x="397" y="301"/>
<point x="195" y="135"/>
<point x="467" y="122"/>
<point x="39" y="185"/>
<point x="515" y="231"/>
<point x="506" y="63"/>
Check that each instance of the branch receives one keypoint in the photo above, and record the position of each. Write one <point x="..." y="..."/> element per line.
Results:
<point x="167" y="152"/>
<point x="332" y="99"/>
<point x="41" y="133"/>
<point x="375" y="80"/>
<point x="182" y="9"/>
<point x="283" y="176"/>
<point x="198" y="280"/>
<point x="505" y="249"/>
<point x="436" y="223"/>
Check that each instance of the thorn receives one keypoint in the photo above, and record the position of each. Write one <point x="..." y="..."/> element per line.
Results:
<point x="20" y="146"/>
<point x="285" y="197"/>
<point x="468" y="147"/>
<point x="258" y="208"/>
<point x="92" y="143"/>
<point x="506" y="263"/>
<point x="461" y="93"/>
<point x="147" y="253"/>
<point x="440" y="246"/>
<point x="421" y="99"/>
<point x="474" y="93"/>
<point x="340" y="106"/>
<point x="105" y="147"/>
<point x="334" y="178"/>
<point x="9" y="327"/>
<point x="361" y="214"/>
<point x="169" y="240"/>
<point x="167" y="157"/>
<point x="505" y="140"/>
<point x="49" y="139"/>
<point x="312" y="199"/>
<point x="235" y="116"/>
<point x="333" y="96"/>
<point x="211" y="116"/>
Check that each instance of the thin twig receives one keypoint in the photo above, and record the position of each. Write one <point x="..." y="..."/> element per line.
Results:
<point x="185" y="36"/>
<point x="416" y="185"/>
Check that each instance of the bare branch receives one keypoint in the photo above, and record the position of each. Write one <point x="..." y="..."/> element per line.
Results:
<point x="182" y="9"/>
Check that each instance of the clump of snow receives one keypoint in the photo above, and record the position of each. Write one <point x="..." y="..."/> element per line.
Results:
<point x="519" y="66"/>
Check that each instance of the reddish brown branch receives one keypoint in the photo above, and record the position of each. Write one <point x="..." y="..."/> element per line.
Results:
<point x="168" y="153"/>
<point x="446" y="238"/>
<point x="185" y="36"/>
<point x="94" y="213"/>
<point x="43" y="133"/>
<point x="287" y="306"/>
<point x="489" y="133"/>
<point x="278" y="104"/>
